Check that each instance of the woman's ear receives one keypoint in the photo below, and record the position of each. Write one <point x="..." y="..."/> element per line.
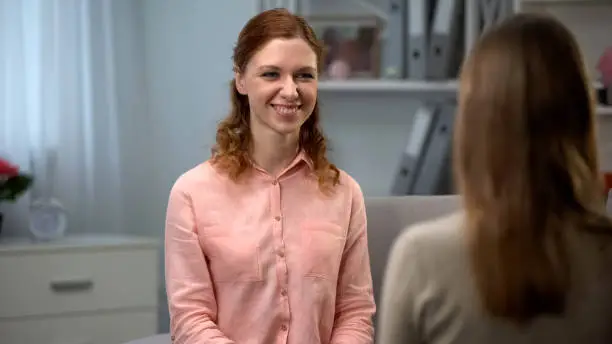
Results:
<point x="240" y="83"/>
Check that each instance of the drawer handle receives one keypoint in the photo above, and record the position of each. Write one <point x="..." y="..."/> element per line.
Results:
<point x="71" y="285"/>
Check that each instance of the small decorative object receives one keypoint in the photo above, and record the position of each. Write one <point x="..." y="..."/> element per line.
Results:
<point x="48" y="219"/>
<point x="352" y="45"/>
<point x="339" y="70"/>
<point x="13" y="183"/>
<point x="605" y="69"/>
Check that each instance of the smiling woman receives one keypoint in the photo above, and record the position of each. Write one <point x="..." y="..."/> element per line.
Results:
<point x="267" y="240"/>
<point x="277" y="60"/>
<point x="281" y="86"/>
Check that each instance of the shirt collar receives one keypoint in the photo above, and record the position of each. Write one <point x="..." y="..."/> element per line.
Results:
<point x="301" y="156"/>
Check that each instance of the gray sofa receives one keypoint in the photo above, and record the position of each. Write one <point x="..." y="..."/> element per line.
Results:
<point x="387" y="217"/>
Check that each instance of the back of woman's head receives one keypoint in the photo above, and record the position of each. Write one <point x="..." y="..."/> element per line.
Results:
<point x="233" y="141"/>
<point x="526" y="163"/>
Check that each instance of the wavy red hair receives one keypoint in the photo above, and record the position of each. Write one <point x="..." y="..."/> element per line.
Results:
<point x="231" y="151"/>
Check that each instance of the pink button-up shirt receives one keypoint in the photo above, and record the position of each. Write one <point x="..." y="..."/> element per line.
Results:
<point x="267" y="261"/>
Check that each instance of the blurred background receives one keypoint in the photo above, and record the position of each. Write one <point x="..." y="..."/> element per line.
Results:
<point x="106" y="102"/>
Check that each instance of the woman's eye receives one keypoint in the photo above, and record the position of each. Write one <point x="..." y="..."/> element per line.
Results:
<point x="306" y="76"/>
<point x="270" y="75"/>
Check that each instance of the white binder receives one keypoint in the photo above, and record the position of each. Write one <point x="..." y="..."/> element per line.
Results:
<point x="418" y="38"/>
<point x="446" y="40"/>
<point x="435" y="168"/>
<point x="424" y="167"/>
<point x="290" y="5"/>
<point x="413" y="154"/>
<point x="394" y="63"/>
<point x="492" y="11"/>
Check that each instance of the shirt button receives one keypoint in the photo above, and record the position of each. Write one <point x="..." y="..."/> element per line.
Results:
<point x="283" y="327"/>
<point x="277" y="218"/>
<point x="284" y="292"/>
<point x="274" y="182"/>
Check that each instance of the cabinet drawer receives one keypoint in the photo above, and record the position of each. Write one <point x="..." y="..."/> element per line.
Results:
<point x="55" y="283"/>
<point x="108" y="328"/>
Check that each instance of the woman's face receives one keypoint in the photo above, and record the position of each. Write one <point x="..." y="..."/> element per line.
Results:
<point x="280" y="82"/>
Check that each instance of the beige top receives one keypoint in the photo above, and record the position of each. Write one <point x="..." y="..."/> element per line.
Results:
<point x="428" y="295"/>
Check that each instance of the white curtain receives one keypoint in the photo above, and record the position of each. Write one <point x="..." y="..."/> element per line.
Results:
<point x="57" y="98"/>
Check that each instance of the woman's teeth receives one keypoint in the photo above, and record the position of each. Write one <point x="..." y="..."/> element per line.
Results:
<point x="286" y="109"/>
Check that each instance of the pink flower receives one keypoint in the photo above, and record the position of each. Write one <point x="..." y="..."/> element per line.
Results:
<point x="605" y="67"/>
<point x="7" y="169"/>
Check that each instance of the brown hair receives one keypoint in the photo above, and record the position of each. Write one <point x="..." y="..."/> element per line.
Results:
<point x="231" y="152"/>
<point x="526" y="164"/>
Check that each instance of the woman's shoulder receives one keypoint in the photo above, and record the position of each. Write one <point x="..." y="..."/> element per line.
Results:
<point x="346" y="178"/>
<point x="348" y="189"/>
<point x="348" y="182"/>
<point x="439" y="236"/>
<point x="197" y="177"/>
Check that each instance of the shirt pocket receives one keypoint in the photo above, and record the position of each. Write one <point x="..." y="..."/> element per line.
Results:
<point x="322" y="245"/>
<point x="233" y="258"/>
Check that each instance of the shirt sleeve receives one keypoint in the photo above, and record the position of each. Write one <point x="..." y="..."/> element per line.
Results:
<point x="191" y="299"/>
<point x="355" y="298"/>
<point x="399" y="320"/>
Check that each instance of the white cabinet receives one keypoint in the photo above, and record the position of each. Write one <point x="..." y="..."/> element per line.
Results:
<point x="94" y="289"/>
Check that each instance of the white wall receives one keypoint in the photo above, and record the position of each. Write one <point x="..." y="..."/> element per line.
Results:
<point x="367" y="135"/>
<point x="135" y="124"/>
<point x="187" y="54"/>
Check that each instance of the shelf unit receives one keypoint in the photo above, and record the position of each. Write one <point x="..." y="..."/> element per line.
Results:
<point x="567" y="2"/>
<point x="381" y="85"/>
<point x="604" y="111"/>
<point x="423" y="89"/>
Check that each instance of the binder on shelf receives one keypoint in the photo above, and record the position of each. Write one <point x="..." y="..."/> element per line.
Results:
<point x="408" y="169"/>
<point x="508" y="8"/>
<point x="290" y="5"/>
<point x="446" y="40"/>
<point x="435" y="175"/>
<point x="393" y="61"/>
<point x="425" y="167"/>
<point x="491" y="11"/>
<point x="417" y="27"/>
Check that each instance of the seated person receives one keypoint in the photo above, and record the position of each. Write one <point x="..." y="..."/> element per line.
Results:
<point x="529" y="257"/>
<point x="266" y="242"/>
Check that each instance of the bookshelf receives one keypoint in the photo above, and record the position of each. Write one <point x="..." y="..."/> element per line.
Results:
<point x="604" y="111"/>
<point x="382" y="85"/>
<point x="586" y="18"/>
<point x="422" y="89"/>
<point x="567" y="2"/>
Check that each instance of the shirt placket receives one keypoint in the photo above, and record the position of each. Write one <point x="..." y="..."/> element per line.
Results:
<point x="281" y="262"/>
